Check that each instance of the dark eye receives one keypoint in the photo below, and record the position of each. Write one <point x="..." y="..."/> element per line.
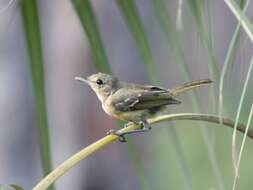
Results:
<point x="99" y="82"/>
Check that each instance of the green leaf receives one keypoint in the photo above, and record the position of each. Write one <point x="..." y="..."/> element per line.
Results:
<point x="170" y="31"/>
<point x="205" y="37"/>
<point x="231" y="46"/>
<point x="16" y="187"/>
<point x="88" y="20"/>
<point x="30" y="20"/>
<point x="132" y="18"/>
<point x="240" y="15"/>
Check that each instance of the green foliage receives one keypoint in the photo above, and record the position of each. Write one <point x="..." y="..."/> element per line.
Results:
<point x="16" y="187"/>
<point x="196" y="9"/>
<point x="164" y="162"/>
<point x="88" y="20"/>
<point x="30" y="20"/>
<point x="240" y="15"/>
<point x="132" y="18"/>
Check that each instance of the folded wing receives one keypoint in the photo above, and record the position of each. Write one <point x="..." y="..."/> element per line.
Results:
<point x="147" y="98"/>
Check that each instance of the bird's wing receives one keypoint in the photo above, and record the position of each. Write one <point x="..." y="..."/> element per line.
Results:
<point x="132" y="100"/>
<point x="153" y="88"/>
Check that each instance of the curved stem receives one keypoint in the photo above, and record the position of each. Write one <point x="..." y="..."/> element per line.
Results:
<point x="202" y="117"/>
<point x="72" y="161"/>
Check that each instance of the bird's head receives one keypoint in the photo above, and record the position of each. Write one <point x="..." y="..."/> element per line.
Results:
<point x="102" y="84"/>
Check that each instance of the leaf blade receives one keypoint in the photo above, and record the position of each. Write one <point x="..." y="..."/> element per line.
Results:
<point x="30" y="18"/>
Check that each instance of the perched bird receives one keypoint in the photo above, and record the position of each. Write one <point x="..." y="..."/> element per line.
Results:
<point x="133" y="102"/>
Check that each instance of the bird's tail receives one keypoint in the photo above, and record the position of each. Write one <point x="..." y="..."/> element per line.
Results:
<point x="188" y="86"/>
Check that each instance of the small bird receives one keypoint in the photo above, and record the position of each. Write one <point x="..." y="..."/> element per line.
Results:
<point x="134" y="103"/>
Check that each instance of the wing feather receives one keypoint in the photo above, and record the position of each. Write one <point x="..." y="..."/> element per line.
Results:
<point x="132" y="100"/>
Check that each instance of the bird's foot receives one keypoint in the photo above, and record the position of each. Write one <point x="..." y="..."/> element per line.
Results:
<point x="143" y="124"/>
<point x="129" y="123"/>
<point x="122" y="137"/>
<point x="144" y="127"/>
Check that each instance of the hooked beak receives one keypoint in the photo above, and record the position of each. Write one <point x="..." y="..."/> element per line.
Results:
<point x="81" y="79"/>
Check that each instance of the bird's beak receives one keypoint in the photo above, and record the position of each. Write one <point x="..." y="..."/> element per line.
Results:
<point x="81" y="79"/>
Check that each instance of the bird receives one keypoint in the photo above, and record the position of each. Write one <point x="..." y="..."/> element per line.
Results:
<point x="134" y="103"/>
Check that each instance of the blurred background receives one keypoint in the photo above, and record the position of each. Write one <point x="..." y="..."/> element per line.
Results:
<point x="148" y="42"/>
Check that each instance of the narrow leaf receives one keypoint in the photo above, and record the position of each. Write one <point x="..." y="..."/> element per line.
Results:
<point x="169" y="29"/>
<point x="238" y="113"/>
<point x="132" y="18"/>
<point x="231" y="46"/>
<point x="195" y="6"/>
<point x="16" y="187"/>
<point x="30" y="19"/>
<point x="87" y="17"/>
<point x="240" y="15"/>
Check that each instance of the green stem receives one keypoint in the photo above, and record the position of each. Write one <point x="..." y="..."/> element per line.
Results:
<point x="75" y="159"/>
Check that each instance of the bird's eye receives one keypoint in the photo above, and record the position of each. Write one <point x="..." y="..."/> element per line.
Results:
<point x="99" y="82"/>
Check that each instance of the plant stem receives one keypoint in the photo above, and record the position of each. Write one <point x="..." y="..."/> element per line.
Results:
<point x="72" y="161"/>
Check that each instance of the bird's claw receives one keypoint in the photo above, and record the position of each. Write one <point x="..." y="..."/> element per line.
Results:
<point x="144" y="128"/>
<point x="122" y="138"/>
<point x="128" y="124"/>
<point x="144" y="125"/>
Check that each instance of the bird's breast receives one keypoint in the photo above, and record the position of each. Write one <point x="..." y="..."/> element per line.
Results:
<point x="124" y="115"/>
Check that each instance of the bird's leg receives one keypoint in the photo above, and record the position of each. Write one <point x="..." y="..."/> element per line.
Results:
<point x="122" y="138"/>
<point x="129" y="123"/>
<point x="144" y="127"/>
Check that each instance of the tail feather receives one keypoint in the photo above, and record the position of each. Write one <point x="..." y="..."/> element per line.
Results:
<point x="188" y="86"/>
